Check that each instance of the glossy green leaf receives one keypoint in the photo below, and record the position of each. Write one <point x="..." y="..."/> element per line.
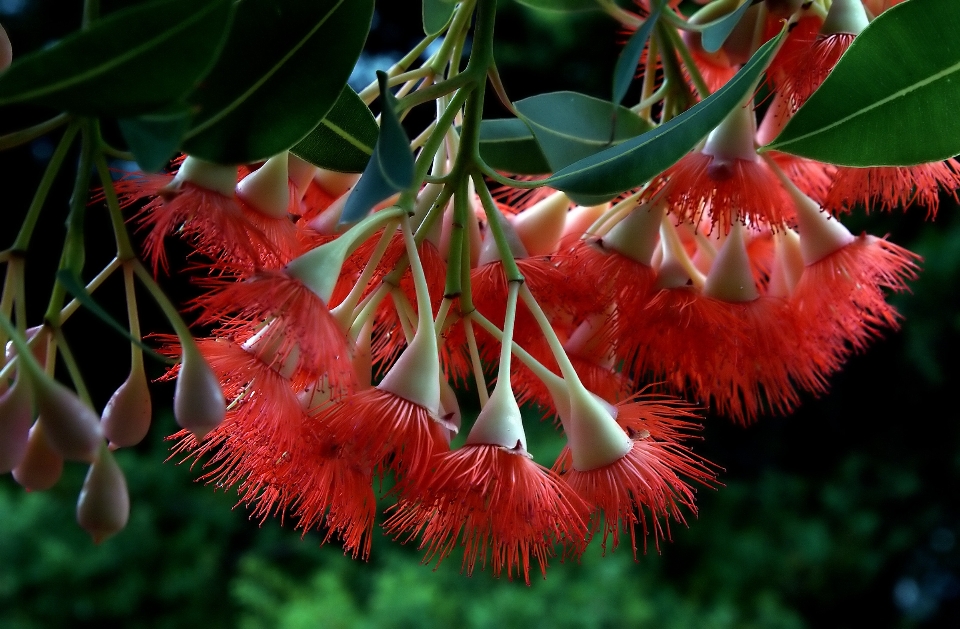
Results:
<point x="390" y="170"/>
<point x="344" y="139"/>
<point x="508" y="145"/>
<point x="629" y="58"/>
<point x="436" y="15"/>
<point x="560" y="5"/>
<point x="603" y="176"/>
<point x="569" y="126"/>
<point x="892" y="99"/>
<point x="155" y="138"/>
<point x="130" y="62"/>
<point x="717" y="32"/>
<point x="75" y="287"/>
<point x="282" y="69"/>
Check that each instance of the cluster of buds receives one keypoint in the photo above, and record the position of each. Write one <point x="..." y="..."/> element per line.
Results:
<point x="337" y="344"/>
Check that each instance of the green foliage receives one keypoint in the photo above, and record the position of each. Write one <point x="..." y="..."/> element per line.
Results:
<point x="154" y="138"/>
<point x="626" y="67"/>
<point x="508" y="145"/>
<point x="717" y="32"/>
<point x="436" y="14"/>
<point x="604" y="175"/>
<point x="882" y="109"/>
<point x="569" y="126"/>
<point x="252" y="105"/>
<point x="344" y="139"/>
<point x="129" y="62"/>
<point x="390" y="170"/>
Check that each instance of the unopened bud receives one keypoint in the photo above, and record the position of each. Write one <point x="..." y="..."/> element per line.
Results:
<point x="16" y="414"/>
<point x="126" y="417"/>
<point x="103" y="507"/>
<point x="72" y="427"/>
<point x="541" y="225"/>
<point x="198" y="403"/>
<point x="41" y="466"/>
<point x="6" y="50"/>
<point x="38" y="345"/>
<point x="267" y="189"/>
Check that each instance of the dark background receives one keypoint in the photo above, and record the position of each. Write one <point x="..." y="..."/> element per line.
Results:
<point x="843" y="515"/>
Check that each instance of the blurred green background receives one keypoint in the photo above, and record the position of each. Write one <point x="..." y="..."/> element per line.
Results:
<point x="844" y="515"/>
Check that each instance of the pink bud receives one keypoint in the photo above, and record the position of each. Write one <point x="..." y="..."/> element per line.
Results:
<point x="41" y="466"/>
<point x="72" y="427"/>
<point x="38" y="345"/>
<point x="103" y="507"/>
<point x="198" y="403"/>
<point x="16" y="414"/>
<point x="126" y="417"/>
<point x="6" y="50"/>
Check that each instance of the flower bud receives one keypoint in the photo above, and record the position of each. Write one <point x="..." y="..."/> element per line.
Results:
<point x="72" y="427"/>
<point x="540" y="226"/>
<point x="126" y="417"/>
<point x="41" y="466"/>
<point x="103" y="507"/>
<point x="6" y="50"/>
<point x="38" y="345"/>
<point x="16" y="414"/>
<point x="198" y="403"/>
<point x="267" y="189"/>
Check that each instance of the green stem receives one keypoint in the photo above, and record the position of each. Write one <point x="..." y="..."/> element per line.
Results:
<point x="435" y="91"/>
<point x="678" y="44"/>
<point x="180" y="327"/>
<point x="124" y="248"/>
<point x="458" y="240"/>
<point x="556" y="347"/>
<point x="22" y="243"/>
<point x="513" y="183"/>
<point x="67" y="311"/>
<point x="529" y="361"/>
<point x="91" y="11"/>
<point x="619" y="14"/>
<point x="370" y="92"/>
<point x="463" y="213"/>
<point x="496" y="229"/>
<point x="133" y="319"/>
<point x="29" y="134"/>
<point x="433" y="143"/>
<point x="76" y="376"/>
<point x="73" y="255"/>
<point x="455" y="33"/>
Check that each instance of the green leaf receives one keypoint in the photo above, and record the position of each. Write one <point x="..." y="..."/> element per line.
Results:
<point x="571" y="126"/>
<point x="629" y="58"/>
<point x="155" y="138"/>
<point x="344" y="139"/>
<point x="390" y="170"/>
<point x="892" y="99"/>
<point x="508" y="145"/>
<point x="717" y="32"/>
<point x="282" y="69"/>
<point x="560" y="5"/>
<point x="603" y="176"/>
<point x="130" y="62"/>
<point x="75" y="287"/>
<point x="436" y="15"/>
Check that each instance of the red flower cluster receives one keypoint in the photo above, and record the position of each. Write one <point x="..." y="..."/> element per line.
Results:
<point x="721" y="280"/>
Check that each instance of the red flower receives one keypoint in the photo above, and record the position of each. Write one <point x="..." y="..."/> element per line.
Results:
<point x="640" y="488"/>
<point x="499" y="503"/>
<point x="890" y="187"/>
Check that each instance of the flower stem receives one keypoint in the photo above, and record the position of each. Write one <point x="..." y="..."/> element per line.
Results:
<point x="22" y="243"/>
<point x="17" y="138"/>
